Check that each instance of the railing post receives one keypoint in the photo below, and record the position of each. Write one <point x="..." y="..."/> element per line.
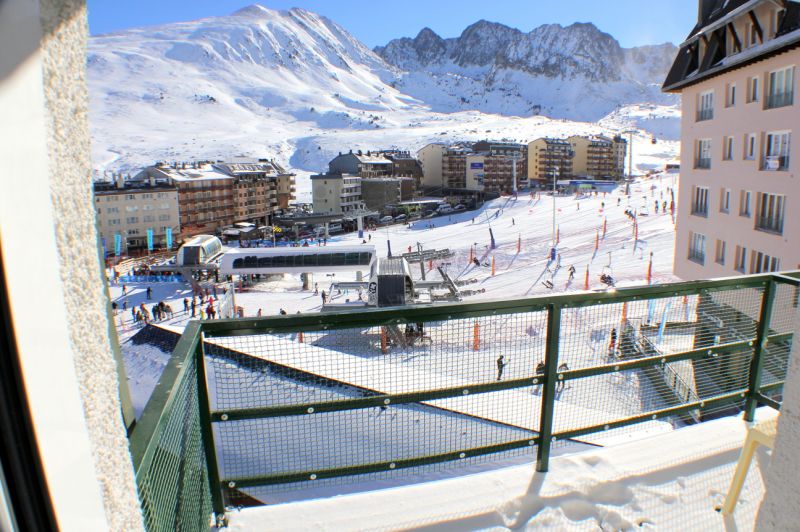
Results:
<point x="549" y="386"/>
<point x="759" y="350"/>
<point x="204" y="406"/>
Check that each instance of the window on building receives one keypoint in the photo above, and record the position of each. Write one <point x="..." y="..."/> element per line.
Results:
<point x="114" y="221"/>
<point x="149" y="218"/>
<point x="697" y="247"/>
<point x="719" y="254"/>
<point x="752" y="35"/>
<point x="163" y="217"/>
<point x="703" y="155"/>
<point x="132" y="220"/>
<point x="761" y="262"/>
<point x="725" y="200"/>
<point x="750" y="146"/>
<point x="700" y="201"/>
<point x="111" y="210"/>
<point x="780" y="89"/>
<point x="752" y="89"/>
<point x="770" y="212"/>
<point x="744" y="203"/>
<point x="727" y="148"/>
<point x="130" y="197"/>
<point x="740" y="259"/>
<point x="776" y="151"/>
<point x="705" y="106"/>
<point x="730" y="95"/>
<point x="165" y="205"/>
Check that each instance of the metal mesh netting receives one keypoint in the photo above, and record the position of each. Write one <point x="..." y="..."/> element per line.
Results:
<point x="331" y="366"/>
<point x="173" y="480"/>
<point x="613" y="333"/>
<point x="776" y="354"/>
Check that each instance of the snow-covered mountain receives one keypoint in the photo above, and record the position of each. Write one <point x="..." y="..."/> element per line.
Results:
<point x="295" y="86"/>
<point x="575" y="72"/>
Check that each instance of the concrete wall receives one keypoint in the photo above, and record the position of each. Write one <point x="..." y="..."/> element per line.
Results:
<point x="58" y="300"/>
<point x="738" y="174"/>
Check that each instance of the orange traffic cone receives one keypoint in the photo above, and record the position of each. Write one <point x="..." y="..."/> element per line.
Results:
<point x="476" y="337"/>
<point x="605" y="226"/>
<point x="300" y="337"/>
<point x="597" y="240"/>
<point x="384" y="341"/>
<point x="493" y="268"/>
<point x="650" y="269"/>
<point x="586" y="281"/>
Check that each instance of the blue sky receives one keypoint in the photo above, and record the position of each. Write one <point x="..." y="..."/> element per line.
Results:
<point x="631" y="22"/>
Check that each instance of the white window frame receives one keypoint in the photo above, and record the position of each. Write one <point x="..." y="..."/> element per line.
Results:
<point x="777" y="144"/>
<point x="725" y="201"/>
<point x="750" y="147"/>
<point x="753" y="89"/>
<point x="697" y="247"/>
<point x="730" y="95"/>
<point x="745" y="200"/>
<point x="727" y="148"/>
<point x="703" y="154"/>
<point x="719" y="255"/>
<point x="740" y="260"/>
<point x="783" y="78"/>
<point x="705" y="105"/>
<point x="771" y="210"/>
<point x="700" y="201"/>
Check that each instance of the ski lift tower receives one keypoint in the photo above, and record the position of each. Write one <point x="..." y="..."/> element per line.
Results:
<point x="630" y="133"/>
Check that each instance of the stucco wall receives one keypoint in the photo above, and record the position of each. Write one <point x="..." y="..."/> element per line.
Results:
<point x="63" y="48"/>
<point x="779" y="510"/>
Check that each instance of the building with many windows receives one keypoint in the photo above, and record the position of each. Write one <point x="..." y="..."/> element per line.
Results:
<point x="334" y="193"/>
<point x="599" y="157"/>
<point x="128" y="210"/>
<point x="738" y="199"/>
<point x="549" y="157"/>
<point x="213" y="195"/>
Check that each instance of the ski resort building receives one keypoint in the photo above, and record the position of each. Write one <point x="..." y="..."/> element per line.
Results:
<point x="549" y="158"/>
<point x="130" y="210"/>
<point x="739" y="196"/>
<point x="599" y="157"/>
<point x="213" y="195"/>
<point x="430" y="162"/>
<point x="379" y="192"/>
<point x="361" y="164"/>
<point x="484" y="167"/>
<point x="336" y="193"/>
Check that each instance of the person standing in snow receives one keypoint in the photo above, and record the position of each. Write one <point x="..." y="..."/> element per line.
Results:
<point x="571" y="272"/>
<point x="612" y="344"/>
<point x="194" y="307"/>
<point x="501" y="365"/>
<point x="560" y="384"/>
<point x="149" y="293"/>
<point x="323" y="297"/>
<point x="186" y="305"/>
<point x="124" y="290"/>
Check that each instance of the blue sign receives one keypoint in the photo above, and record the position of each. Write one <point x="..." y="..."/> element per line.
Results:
<point x="117" y="244"/>
<point x="169" y="238"/>
<point x="475" y="166"/>
<point x="150" y="240"/>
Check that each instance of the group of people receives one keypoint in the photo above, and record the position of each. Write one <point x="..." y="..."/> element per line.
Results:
<point x="158" y="312"/>
<point x="502" y="362"/>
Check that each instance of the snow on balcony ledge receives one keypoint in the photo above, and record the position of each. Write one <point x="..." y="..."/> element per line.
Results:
<point x="671" y="481"/>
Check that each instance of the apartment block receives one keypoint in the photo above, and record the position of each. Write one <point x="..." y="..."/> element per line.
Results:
<point x="213" y="195"/>
<point x="484" y="167"/>
<point x="378" y="192"/>
<point x="430" y="162"/>
<point x="361" y="164"/>
<point x="549" y="158"/>
<point x="335" y="193"/>
<point x="738" y="200"/>
<point x="598" y="157"/>
<point x="130" y="209"/>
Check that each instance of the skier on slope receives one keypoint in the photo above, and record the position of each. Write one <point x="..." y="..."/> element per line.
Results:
<point x="612" y="344"/>
<point x="501" y="365"/>
<point x="560" y="384"/>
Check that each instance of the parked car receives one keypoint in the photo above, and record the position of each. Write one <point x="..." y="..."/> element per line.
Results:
<point x="445" y="209"/>
<point x="386" y="220"/>
<point x="459" y="207"/>
<point x="432" y="214"/>
<point x="400" y="218"/>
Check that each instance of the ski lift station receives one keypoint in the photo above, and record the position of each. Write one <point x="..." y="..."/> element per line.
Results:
<point x="199" y="252"/>
<point x="267" y="261"/>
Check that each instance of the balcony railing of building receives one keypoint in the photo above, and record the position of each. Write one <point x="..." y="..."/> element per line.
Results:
<point x="775" y="163"/>
<point x="247" y="407"/>
<point x="703" y="162"/>
<point x="770" y="224"/>
<point x="705" y="114"/>
<point x="779" y="99"/>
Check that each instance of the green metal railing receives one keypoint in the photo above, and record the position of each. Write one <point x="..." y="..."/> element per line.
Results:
<point x="250" y="404"/>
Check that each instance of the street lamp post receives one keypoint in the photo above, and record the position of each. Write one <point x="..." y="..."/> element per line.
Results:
<point x="630" y="133"/>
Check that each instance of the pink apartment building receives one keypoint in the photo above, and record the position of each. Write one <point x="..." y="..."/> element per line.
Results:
<point x="739" y="199"/>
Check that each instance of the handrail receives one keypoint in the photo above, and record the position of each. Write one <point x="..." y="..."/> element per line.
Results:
<point x="144" y="439"/>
